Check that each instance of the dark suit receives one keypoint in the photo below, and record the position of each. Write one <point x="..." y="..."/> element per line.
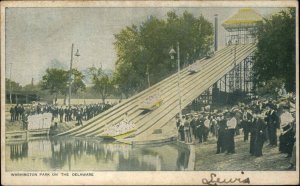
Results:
<point x="252" y="136"/>
<point x="260" y="134"/>
<point x="247" y="119"/>
<point x="221" y="143"/>
<point x="272" y="125"/>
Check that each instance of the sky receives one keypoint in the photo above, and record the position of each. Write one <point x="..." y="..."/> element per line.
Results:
<point x="41" y="38"/>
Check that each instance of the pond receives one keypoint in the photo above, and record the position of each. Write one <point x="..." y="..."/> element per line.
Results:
<point x="73" y="154"/>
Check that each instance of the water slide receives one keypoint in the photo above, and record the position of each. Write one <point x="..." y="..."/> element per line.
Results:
<point x="191" y="85"/>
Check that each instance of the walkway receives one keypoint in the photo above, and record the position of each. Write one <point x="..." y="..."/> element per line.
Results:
<point x="208" y="160"/>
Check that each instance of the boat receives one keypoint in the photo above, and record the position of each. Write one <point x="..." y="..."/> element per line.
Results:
<point x="151" y="103"/>
<point x="119" y="130"/>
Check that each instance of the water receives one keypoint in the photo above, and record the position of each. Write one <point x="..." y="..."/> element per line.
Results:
<point x="71" y="154"/>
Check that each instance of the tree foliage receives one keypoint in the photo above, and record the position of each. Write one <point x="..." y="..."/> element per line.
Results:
<point x="32" y="87"/>
<point x="275" y="56"/>
<point x="77" y="81"/>
<point x="271" y="87"/>
<point x="12" y="85"/>
<point x="146" y="47"/>
<point x="56" y="81"/>
<point x="103" y="83"/>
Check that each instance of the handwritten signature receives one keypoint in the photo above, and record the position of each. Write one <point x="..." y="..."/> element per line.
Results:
<point x="214" y="180"/>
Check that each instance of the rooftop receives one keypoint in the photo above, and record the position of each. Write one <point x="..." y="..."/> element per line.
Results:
<point x="244" y="17"/>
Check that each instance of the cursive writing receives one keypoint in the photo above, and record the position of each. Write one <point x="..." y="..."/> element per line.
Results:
<point x="214" y="180"/>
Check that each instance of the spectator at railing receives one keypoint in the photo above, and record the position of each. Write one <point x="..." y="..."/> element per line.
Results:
<point x="65" y="113"/>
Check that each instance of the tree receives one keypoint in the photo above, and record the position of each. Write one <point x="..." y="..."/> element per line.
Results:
<point x="11" y="85"/>
<point x="276" y="48"/>
<point x="271" y="87"/>
<point x="103" y="83"/>
<point x="127" y="79"/>
<point x="77" y="81"/>
<point x="56" y="81"/>
<point x="30" y="87"/>
<point x="145" y="48"/>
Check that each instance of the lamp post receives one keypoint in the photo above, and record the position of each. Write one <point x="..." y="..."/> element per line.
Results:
<point x="148" y="75"/>
<point x="147" y="65"/>
<point x="70" y="73"/>
<point x="172" y="53"/>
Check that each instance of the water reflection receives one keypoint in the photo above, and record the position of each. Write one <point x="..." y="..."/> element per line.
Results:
<point x="183" y="160"/>
<point x="18" y="151"/>
<point x="77" y="154"/>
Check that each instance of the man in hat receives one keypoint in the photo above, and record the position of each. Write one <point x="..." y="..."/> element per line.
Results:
<point x="214" y="126"/>
<point x="293" y="156"/>
<point x="79" y="117"/>
<point x="177" y="122"/>
<point x="259" y="136"/>
<point x="272" y="125"/>
<point x="286" y="138"/>
<point x="61" y="114"/>
<point x="246" y="122"/>
<point x="187" y="131"/>
<point x="12" y="113"/>
<point x="252" y="130"/>
<point x="206" y="128"/>
<point x="238" y="116"/>
<point x="221" y="142"/>
<point x="181" y="129"/>
<point x="231" y="125"/>
<point x="200" y="128"/>
<point x="193" y="125"/>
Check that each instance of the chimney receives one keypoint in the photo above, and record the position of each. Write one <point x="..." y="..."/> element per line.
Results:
<point x="216" y="32"/>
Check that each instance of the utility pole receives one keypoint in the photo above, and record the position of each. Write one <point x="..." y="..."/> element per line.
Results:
<point x="179" y="92"/>
<point x="70" y="76"/>
<point x="70" y="73"/>
<point x="10" y="87"/>
<point x="172" y="53"/>
<point x="216" y="32"/>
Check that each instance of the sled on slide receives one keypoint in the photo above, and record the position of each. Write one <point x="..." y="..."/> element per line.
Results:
<point x="119" y="130"/>
<point x="193" y="68"/>
<point x="151" y="103"/>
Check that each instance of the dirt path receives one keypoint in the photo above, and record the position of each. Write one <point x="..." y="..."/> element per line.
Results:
<point x="208" y="160"/>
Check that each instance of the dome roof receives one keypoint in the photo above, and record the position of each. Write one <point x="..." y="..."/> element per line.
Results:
<point x="246" y="17"/>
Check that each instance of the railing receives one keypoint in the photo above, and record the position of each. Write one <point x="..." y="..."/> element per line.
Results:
<point x="39" y="121"/>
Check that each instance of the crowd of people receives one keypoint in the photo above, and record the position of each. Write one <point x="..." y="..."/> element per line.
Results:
<point x="261" y="120"/>
<point x="59" y="113"/>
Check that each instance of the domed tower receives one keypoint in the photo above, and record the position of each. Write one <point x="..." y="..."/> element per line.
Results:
<point x="242" y="26"/>
<point x="241" y="29"/>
